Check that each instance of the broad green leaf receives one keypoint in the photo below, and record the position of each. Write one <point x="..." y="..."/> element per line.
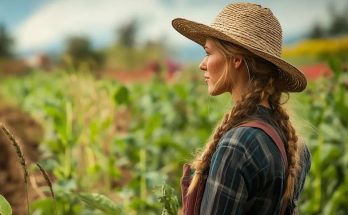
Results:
<point x="5" y="207"/>
<point x="101" y="202"/>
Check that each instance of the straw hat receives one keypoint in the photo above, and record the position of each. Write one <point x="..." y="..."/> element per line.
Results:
<point x="252" y="27"/>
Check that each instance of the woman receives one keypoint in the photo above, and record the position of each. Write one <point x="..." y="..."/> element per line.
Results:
<point x="254" y="162"/>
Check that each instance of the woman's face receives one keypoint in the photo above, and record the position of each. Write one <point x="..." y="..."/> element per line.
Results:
<point x="214" y="65"/>
<point x="221" y="76"/>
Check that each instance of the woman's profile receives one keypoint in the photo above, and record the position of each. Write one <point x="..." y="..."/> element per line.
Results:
<point x="254" y="162"/>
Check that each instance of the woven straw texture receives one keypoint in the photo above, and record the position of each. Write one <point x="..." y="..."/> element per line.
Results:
<point x="252" y="27"/>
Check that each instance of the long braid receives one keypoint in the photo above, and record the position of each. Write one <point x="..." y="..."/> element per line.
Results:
<point x="292" y="147"/>
<point x="202" y="161"/>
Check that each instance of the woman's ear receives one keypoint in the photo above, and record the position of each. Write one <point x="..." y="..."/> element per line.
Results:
<point x="237" y="61"/>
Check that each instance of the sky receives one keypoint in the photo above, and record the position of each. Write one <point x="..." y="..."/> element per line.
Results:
<point x="44" y="25"/>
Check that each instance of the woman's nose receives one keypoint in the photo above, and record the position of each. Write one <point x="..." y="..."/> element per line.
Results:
<point x="203" y="65"/>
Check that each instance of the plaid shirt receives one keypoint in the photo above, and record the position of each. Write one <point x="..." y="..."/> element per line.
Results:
<point x="246" y="174"/>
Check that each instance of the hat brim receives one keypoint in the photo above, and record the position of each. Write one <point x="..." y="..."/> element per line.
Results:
<point x="290" y="78"/>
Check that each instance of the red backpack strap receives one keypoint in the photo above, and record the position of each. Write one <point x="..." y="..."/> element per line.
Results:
<point x="271" y="132"/>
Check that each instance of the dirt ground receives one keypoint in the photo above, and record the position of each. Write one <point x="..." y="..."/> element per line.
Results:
<point x="28" y="133"/>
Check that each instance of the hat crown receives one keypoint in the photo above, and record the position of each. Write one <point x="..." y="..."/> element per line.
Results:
<point x="253" y="24"/>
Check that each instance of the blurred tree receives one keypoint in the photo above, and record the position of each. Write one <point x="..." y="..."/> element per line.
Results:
<point x="338" y="24"/>
<point x="317" y="31"/>
<point x="129" y="54"/>
<point x="127" y="34"/>
<point x="79" y="47"/>
<point x="79" y="52"/>
<point x="339" y="21"/>
<point x="6" y="43"/>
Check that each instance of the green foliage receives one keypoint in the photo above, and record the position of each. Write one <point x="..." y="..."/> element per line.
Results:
<point x="325" y="106"/>
<point x="74" y="138"/>
<point x="80" y="116"/>
<point x="168" y="199"/>
<point x="121" y="95"/>
<point x="165" y="125"/>
<point x="5" y="207"/>
<point x="100" y="202"/>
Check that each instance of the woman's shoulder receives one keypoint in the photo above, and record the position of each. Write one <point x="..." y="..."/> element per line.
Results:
<point x="245" y="137"/>
<point x="258" y="153"/>
<point x="254" y="143"/>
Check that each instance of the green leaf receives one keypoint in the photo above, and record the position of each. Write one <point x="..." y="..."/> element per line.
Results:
<point x="101" y="202"/>
<point x="168" y="200"/>
<point x="121" y="95"/>
<point x="5" y="207"/>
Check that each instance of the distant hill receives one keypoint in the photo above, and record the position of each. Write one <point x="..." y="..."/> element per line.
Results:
<point x="193" y="53"/>
<point x="318" y="47"/>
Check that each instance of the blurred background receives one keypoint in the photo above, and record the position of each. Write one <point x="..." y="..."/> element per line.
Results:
<point x="108" y="98"/>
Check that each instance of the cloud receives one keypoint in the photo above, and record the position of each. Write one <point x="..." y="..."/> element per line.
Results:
<point x="98" y="19"/>
<point x="54" y="22"/>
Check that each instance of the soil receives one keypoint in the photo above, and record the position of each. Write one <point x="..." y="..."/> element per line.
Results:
<point x="28" y="133"/>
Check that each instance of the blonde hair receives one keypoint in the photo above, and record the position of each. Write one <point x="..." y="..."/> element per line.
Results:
<point x="262" y="85"/>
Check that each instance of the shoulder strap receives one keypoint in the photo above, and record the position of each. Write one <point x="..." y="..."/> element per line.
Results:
<point x="271" y="132"/>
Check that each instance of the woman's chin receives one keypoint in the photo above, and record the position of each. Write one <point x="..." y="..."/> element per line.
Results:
<point x="210" y="91"/>
<point x="217" y="91"/>
<point x="214" y="92"/>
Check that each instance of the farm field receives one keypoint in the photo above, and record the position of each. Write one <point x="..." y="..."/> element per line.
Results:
<point x="111" y="148"/>
<point x="101" y="107"/>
